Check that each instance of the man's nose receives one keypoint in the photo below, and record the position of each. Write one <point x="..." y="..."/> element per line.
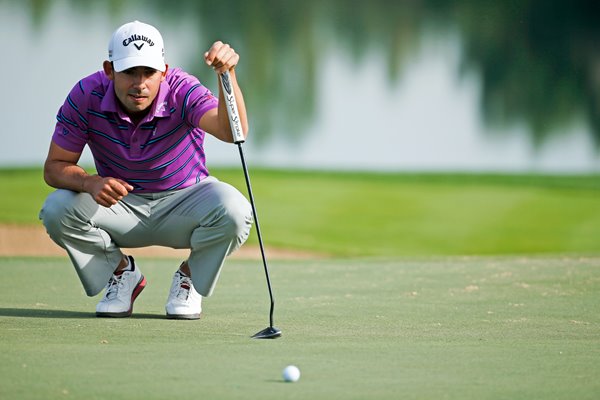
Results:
<point x="138" y="79"/>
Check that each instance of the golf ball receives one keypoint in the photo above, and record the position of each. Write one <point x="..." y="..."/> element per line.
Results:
<point x="291" y="373"/>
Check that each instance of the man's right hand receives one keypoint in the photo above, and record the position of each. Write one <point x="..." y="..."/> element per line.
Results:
<point x="62" y="172"/>
<point x="106" y="191"/>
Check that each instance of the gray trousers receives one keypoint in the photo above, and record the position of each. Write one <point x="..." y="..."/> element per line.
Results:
<point x="211" y="218"/>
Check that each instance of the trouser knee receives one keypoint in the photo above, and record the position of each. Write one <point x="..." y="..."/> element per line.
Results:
<point x="231" y="224"/>
<point x="237" y="219"/>
<point x="64" y="208"/>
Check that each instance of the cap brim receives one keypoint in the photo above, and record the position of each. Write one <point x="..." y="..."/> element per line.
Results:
<point x="130" y="62"/>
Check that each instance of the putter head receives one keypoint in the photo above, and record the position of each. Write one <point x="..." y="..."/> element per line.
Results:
<point x="268" y="333"/>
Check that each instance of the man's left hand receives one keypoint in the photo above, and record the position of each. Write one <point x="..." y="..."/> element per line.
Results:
<point x="222" y="57"/>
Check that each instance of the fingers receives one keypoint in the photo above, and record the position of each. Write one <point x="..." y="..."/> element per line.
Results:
<point x="110" y="191"/>
<point x="221" y="56"/>
<point x="105" y="200"/>
<point x="126" y="185"/>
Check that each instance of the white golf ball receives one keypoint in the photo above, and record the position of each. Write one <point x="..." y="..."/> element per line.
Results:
<point x="291" y="373"/>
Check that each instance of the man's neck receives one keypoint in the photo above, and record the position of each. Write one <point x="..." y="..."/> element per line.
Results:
<point x="136" y="118"/>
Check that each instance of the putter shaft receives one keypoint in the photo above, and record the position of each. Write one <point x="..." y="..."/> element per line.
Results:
<point x="256" y="223"/>
<point x="238" y="138"/>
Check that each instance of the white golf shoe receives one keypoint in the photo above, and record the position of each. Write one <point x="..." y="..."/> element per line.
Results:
<point x="183" y="302"/>
<point x="121" y="291"/>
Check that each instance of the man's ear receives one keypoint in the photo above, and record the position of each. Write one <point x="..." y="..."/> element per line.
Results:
<point x="164" y="74"/>
<point x="108" y="70"/>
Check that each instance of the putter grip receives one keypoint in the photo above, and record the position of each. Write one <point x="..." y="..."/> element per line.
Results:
<point x="232" y="110"/>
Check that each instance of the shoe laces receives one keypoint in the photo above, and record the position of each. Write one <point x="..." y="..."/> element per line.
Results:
<point x="183" y="286"/>
<point x="115" y="283"/>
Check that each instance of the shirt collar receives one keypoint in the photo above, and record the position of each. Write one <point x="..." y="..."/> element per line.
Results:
<point x="160" y="106"/>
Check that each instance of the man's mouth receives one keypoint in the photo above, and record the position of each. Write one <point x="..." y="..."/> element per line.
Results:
<point x="137" y="98"/>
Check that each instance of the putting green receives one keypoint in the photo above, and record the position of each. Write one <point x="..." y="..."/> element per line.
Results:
<point x="411" y="328"/>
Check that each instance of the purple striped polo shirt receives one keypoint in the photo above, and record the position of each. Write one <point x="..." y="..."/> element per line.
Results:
<point x="165" y="151"/>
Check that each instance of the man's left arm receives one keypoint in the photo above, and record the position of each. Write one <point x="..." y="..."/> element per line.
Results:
<point x="221" y="57"/>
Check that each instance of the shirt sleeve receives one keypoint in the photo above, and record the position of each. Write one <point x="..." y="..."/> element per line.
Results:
<point x="70" y="131"/>
<point x="195" y="99"/>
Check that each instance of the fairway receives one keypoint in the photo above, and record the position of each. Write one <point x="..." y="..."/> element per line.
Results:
<point x="393" y="214"/>
<point x="410" y="328"/>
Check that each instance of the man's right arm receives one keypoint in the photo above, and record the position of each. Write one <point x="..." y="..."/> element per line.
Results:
<point x="62" y="172"/>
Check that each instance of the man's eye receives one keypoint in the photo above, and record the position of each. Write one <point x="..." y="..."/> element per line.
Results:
<point x="148" y="72"/>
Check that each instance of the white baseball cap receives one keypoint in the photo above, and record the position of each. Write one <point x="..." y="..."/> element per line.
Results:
<point x="137" y="44"/>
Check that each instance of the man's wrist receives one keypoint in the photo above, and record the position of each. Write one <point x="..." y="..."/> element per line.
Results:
<point x="85" y="183"/>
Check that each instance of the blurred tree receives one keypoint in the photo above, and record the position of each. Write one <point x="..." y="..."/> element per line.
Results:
<point x="539" y="60"/>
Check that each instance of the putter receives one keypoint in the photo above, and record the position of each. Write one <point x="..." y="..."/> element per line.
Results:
<point x="269" y="332"/>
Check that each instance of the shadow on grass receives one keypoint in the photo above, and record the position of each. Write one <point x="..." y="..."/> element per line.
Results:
<point x="40" y="313"/>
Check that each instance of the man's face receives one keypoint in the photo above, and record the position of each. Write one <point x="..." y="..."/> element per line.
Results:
<point x="136" y="88"/>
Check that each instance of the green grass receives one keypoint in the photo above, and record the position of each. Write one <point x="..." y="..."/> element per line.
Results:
<point x="24" y="193"/>
<point x="404" y="324"/>
<point x="352" y="214"/>
<point x="415" y="328"/>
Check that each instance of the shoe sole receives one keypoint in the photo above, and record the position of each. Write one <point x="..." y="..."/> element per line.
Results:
<point x="184" y="316"/>
<point x="136" y="292"/>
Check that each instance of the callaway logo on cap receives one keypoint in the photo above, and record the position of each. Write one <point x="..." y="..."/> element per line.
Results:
<point x="136" y="44"/>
